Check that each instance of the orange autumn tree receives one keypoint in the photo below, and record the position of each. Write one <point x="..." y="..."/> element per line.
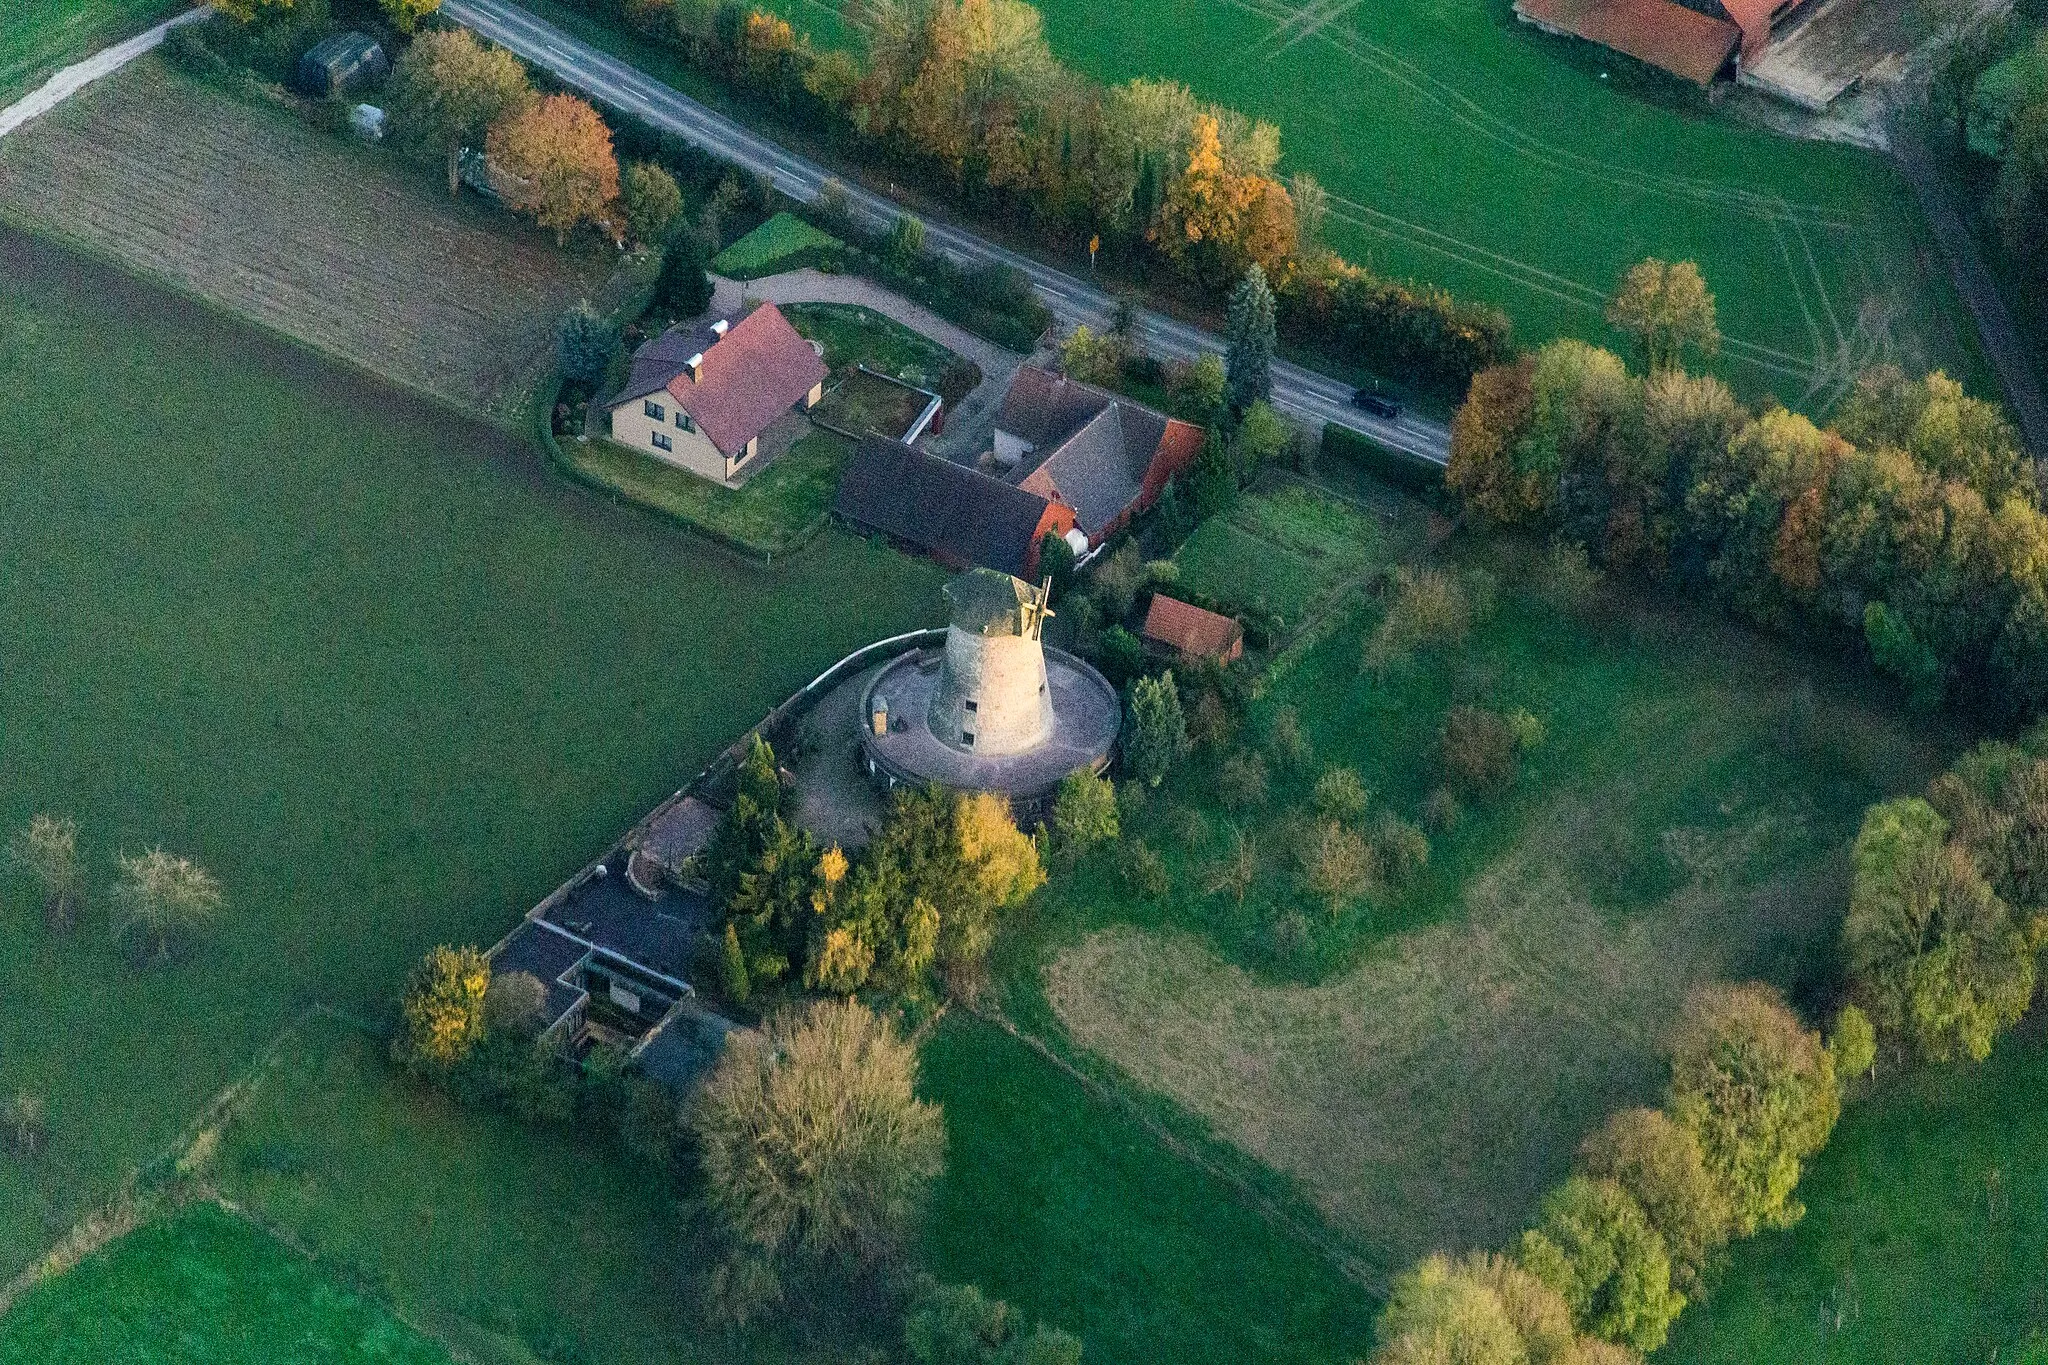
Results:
<point x="556" y="160"/>
<point x="1220" y="219"/>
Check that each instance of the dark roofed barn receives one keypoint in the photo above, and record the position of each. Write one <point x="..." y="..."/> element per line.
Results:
<point x="1105" y="456"/>
<point x="340" y="65"/>
<point x="958" y="516"/>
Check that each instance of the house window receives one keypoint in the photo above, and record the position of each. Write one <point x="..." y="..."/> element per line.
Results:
<point x="662" y="442"/>
<point x="654" y="410"/>
<point x="685" y="421"/>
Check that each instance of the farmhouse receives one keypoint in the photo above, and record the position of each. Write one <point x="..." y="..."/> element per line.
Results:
<point x="959" y="516"/>
<point x="700" y="396"/>
<point x="1104" y="456"/>
<point x="1697" y="41"/>
<point x="1190" y="631"/>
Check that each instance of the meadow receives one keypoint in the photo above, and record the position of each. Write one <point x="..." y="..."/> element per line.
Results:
<point x="1462" y="149"/>
<point x="202" y="1284"/>
<point x="505" y="1240"/>
<point x="338" y="245"/>
<point x="368" y="662"/>
<point x="1422" y="1068"/>
<point x="42" y="35"/>
<point x="1925" y="1232"/>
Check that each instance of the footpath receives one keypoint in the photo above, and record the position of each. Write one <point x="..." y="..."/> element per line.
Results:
<point x="79" y="75"/>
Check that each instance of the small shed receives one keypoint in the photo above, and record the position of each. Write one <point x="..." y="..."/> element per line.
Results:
<point x="1189" y="630"/>
<point x="339" y="65"/>
<point x="368" y="122"/>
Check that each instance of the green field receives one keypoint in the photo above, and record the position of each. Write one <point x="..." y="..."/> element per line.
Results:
<point x="1925" y="1233"/>
<point x="775" y="511"/>
<point x="202" y="1285"/>
<point x="784" y="242"/>
<point x="371" y="664"/>
<point x="1424" y="1062"/>
<point x="39" y="36"/>
<point x="1283" y="549"/>
<point x="1463" y="149"/>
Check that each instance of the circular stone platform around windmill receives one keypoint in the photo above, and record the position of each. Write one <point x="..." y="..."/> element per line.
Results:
<point x="1086" y="715"/>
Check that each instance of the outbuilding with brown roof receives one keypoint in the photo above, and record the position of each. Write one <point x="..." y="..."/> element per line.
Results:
<point x="1191" y="631"/>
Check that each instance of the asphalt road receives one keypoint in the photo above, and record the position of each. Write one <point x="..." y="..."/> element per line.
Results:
<point x="1299" y="392"/>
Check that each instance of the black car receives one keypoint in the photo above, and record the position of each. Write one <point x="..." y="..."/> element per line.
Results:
<point x="1385" y="408"/>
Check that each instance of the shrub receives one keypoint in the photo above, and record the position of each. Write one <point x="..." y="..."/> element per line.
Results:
<point x="47" y="853"/>
<point x="651" y="201"/>
<point x="1122" y="656"/>
<point x="1430" y="611"/>
<point x="1143" y="872"/>
<point x="1337" y="865"/>
<point x="1119" y="578"/>
<point x="1852" y="1044"/>
<point x="160" y="897"/>
<point x="1402" y="848"/>
<point x="683" y="288"/>
<point x="514" y="1003"/>
<point x="1566" y="580"/>
<point x="958" y="1325"/>
<point x="1479" y="751"/>
<point x="814" y="1143"/>
<point x="1241" y="781"/>
<point x="1287" y="743"/>
<point x="1340" y="795"/>
<point x="1441" y="811"/>
<point x="1084" y="813"/>
<point x="1234" y="873"/>
<point x="584" y="346"/>
<point x="441" y="1015"/>
<point x="1479" y="1310"/>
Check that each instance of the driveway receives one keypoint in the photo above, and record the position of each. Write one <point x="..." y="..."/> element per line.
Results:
<point x="970" y="422"/>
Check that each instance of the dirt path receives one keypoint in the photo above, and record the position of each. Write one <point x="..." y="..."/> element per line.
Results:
<point x="78" y="75"/>
<point x="968" y="422"/>
<point x="2002" y="345"/>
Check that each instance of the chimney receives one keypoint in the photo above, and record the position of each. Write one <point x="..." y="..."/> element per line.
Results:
<point x="718" y="327"/>
<point x="695" y="365"/>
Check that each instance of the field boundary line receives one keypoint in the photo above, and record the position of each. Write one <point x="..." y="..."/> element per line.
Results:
<point x="1347" y="1263"/>
<point x="75" y="77"/>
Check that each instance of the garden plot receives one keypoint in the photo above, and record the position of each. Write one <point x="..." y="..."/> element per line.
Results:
<point x="336" y="245"/>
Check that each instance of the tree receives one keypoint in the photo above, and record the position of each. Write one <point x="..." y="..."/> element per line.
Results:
<point x="1933" y="951"/>
<point x="515" y="1003"/>
<point x="1338" y="865"/>
<point x="1002" y="861"/>
<point x="1249" y="342"/>
<point x="1479" y="751"/>
<point x="814" y="1143"/>
<point x="441" y="1014"/>
<point x="683" y="288"/>
<point x="1084" y="814"/>
<point x="405" y="15"/>
<point x="1481" y="1309"/>
<point x="246" y="11"/>
<point x="1157" y="734"/>
<point x="1594" y="1245"/>
<point x="558" y="156"/>
<point x="584" y="345"/>
<point x="1660" y="1164"/>
<point x="650" y="200"/>
<point x="1487" y="434"/>
<point x="1430" y="611"/>
<point x="448" y="89"/>
<point x="1757" y="1091"/>
<point x="1340" y="795"/>
<point x="959" y="1325"/>
<point x="160" y="897"/>
<point x="1261" y="439"/>
<point x="1950" y="433"/>
<point x="1667" y="311"/>
<point x="47" y="852"/>
<point x="1200" y="385"/>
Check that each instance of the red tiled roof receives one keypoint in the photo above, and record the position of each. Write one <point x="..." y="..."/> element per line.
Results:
<point x="1665" y="35"/>
<point x="753" y="374"/>
<point x="1754" y="18"/>
<point x="1188" y="628"/>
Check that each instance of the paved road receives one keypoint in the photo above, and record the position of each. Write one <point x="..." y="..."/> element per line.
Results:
<point x="1301" y="393"/>
<point x="2002" y="344"/>
<point x="78" y="75"/>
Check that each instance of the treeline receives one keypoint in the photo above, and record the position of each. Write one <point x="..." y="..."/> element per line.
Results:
<point x="967" y="94"/>
<point x="1621" y="1246"/>
<point x="1913" y="520"/>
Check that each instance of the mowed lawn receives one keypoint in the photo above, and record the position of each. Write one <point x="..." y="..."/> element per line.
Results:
<point x="1925" y="1233"/>
<point x="202" y="1285"/>
<point x="340" y="245"/>
<point x="1463" y="149"/>
<point x="41" y="35"/>
<point x="1425" y="1073"/>
<point x="368" y="663"/>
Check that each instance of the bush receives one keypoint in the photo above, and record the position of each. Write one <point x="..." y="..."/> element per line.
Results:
<point x="1479" y="752"/>
<point x="1340" y="795"/>
<point x="1287" y="742"/>
<point x="441" y="1015"/>
<point x="515" y="1003"/>
<point x="650" y="199"/>
<point x="1430" y="611"/>
<point x="1241" y="782"/>
<point x="1084" y="814"/>
<point x="584" y="346"/>
<point x="1403" y="849"/>
<point x="814" y="1143"/>
<point x="1391" y="328"/>
<point x="1156" y="736"/>
<point x="1337" y="865"/>
<point x="1660" y="1164"/>
<point x="958" y="1325"/>
<point x="1594" y="1245"/>
<point x="683" y="288"/>
<point x="1122" y="655"/>
<point x="1143" y="872"/>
